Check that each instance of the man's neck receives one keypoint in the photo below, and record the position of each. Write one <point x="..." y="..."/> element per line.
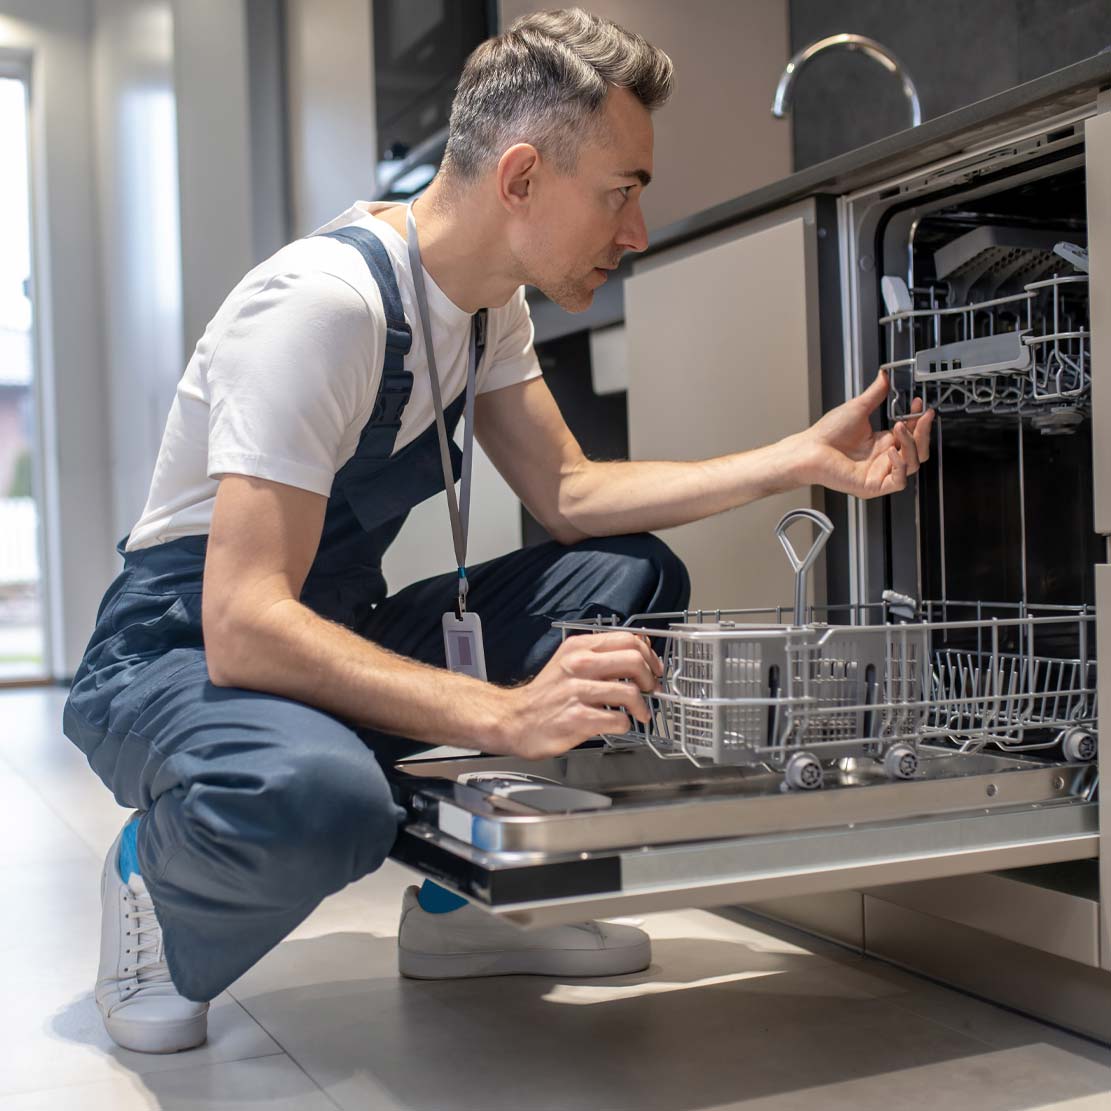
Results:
<point x="461" y="249"/>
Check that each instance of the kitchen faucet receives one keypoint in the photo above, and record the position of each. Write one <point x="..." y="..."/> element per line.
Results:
<point x="874" y="50"/>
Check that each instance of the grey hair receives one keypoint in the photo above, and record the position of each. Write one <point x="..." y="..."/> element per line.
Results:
<point x="544" y="81"/>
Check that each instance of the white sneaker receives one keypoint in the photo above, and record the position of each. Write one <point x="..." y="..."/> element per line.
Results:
<point x="141" y="1008"/>
<point x="470" y="942"/>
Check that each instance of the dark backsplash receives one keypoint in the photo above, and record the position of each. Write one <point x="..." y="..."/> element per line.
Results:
<point x="956" y="52"/>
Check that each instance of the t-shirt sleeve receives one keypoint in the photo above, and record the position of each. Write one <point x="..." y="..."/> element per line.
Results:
<point x="289" y="378"/>
<point x="513" y="358"/>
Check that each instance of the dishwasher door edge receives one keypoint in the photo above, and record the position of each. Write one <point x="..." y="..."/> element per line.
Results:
<point x="535" y="889"/>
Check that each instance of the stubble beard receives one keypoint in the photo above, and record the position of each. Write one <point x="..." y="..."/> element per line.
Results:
<point x="571" y="296"/>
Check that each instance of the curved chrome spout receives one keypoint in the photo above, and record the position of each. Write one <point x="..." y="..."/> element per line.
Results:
<point x="874" y="50"/>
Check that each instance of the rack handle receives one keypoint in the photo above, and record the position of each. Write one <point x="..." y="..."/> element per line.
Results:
<point x="802" y="566"/>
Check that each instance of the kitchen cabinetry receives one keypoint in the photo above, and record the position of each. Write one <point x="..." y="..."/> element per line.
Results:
<point x="723" y="349"/>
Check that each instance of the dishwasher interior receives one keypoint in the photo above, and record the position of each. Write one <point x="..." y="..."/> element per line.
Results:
<point x="987" y="320"/>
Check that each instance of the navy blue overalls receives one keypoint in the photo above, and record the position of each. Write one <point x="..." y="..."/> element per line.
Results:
<point x="257" y="807"/>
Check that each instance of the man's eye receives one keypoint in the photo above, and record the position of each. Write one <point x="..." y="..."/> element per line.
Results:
<point x="625" y="190"/>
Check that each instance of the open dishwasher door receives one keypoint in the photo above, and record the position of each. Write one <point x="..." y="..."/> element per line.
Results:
<point x="782" y="759"/>
<point x="666" y="833"/>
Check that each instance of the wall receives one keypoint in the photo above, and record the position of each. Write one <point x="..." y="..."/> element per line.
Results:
<point x="180" y="144"/>
<point x="956" y="53"/>
<point x="136" y="147"/>
<point x="717" y="138"/>
<point x="331" y="126"/>
<point x="216" y="232"/>
<point x="56" y="36"/>
<point x="331" y="107"/>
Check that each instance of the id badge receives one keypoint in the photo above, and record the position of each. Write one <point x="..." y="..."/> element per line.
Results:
<point x="463" y="644"/>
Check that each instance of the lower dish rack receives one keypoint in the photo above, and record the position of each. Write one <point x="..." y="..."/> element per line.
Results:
<point x="742" y="687"/>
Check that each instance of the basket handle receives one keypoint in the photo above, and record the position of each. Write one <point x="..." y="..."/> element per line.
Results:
<point x="802" y="566"/>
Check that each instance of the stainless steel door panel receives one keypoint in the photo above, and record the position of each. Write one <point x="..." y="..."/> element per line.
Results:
<point x="745" y="870"/>
<point x="1097" y="168"/>
<point x="676" y="835"/>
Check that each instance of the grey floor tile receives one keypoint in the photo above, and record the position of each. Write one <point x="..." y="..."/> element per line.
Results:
<point x="1018" y="1079"/>
<point x="270" y="1083"/>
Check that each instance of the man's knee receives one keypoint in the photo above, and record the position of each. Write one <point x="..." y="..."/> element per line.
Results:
<point x="344" y="816"/>
<point x="662" y="582"/>
<point x="317" y="816"/>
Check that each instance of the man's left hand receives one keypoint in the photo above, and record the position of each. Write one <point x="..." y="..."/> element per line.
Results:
<point x="843" y="452"/>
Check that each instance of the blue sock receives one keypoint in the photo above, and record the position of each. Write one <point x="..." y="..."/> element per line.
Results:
<point x="438" y="900"/>
<point x="129" y="853"/>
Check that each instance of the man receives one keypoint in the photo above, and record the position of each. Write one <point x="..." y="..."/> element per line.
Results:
<point x="248" y="674"/>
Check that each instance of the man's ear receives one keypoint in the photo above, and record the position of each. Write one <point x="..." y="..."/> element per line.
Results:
<point x="516" y="176"/>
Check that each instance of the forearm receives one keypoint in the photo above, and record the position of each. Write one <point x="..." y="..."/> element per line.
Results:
<point x="285" y="648"/>
<point x="608" y="499"/>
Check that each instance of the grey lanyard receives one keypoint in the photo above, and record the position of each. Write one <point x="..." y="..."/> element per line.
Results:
<point x="458" y="510"/>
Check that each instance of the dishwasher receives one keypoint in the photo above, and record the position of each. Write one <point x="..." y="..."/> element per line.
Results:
<point x="940" y="717"/>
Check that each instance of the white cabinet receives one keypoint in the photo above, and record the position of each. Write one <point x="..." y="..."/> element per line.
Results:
<point x="723" y="357"/>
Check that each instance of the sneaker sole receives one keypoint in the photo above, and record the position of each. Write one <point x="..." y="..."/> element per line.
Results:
<point x="146" y="1037"/>
<point x="535" y="962"/>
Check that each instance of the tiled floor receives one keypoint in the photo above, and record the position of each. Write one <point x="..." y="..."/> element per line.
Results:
<point x="727" y="1016"/>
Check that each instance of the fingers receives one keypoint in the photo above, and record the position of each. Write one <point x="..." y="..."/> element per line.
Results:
<point x="876" y="393"/>
<point x="922" y="430"/>
<point x="907" y="447"/>
<point x="609" y="721"/>
<point x="897" y="478"/>
<point x="622" y="664"/>
<point x="610" y="695"/>
<point x="618" y="642"/>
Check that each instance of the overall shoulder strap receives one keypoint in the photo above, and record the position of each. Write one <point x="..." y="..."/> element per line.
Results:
<point x="378" y="437"/>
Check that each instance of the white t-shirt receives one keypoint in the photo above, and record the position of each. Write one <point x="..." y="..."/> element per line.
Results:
<point x="285" y="376"/>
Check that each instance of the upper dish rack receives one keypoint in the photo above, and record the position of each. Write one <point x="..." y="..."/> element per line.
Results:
<point x="1024" y="350"/>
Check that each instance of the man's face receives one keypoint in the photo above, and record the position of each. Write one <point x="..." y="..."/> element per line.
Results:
<point x="578" y="225"/>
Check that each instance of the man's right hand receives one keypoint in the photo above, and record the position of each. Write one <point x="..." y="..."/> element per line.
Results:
<point x="591" y="685"/>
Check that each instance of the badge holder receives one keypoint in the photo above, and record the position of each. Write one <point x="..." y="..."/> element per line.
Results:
<point x="463" y="648"/>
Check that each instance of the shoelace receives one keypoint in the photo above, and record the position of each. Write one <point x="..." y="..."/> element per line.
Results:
<point x="148" y="956"/>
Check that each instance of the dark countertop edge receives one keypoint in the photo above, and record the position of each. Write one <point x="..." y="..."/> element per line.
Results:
<point x="943" y="135"/>
<point x="935" y="138"/>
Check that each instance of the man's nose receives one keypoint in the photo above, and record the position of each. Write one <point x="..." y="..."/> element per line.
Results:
<point x="633" y="234"/>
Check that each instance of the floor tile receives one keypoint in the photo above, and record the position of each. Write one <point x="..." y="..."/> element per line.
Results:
<point x="1099" y="1102"/>
<point x="993" y="1025"/>
<point x="51" y="1034"/>
<point x="270" y="1083"/>
<point x="1006" y="1080"/>
<point x="714" y="1006"/>
<point x="29" y="829"/>
<point x="35" y="748"/>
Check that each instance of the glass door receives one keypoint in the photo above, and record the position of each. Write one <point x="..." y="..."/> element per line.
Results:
<point x="22" y="616"/>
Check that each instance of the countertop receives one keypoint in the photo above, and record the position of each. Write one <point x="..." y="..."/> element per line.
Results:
<point x="1054" y="93"/>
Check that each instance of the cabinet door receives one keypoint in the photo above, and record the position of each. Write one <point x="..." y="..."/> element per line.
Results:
<point x="723" y="357"/>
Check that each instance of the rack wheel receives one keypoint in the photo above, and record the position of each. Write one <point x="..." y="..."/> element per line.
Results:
<point x="1079" y="746"/>
<point x="900" y="762"/>
<point x="803" y="772"/>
